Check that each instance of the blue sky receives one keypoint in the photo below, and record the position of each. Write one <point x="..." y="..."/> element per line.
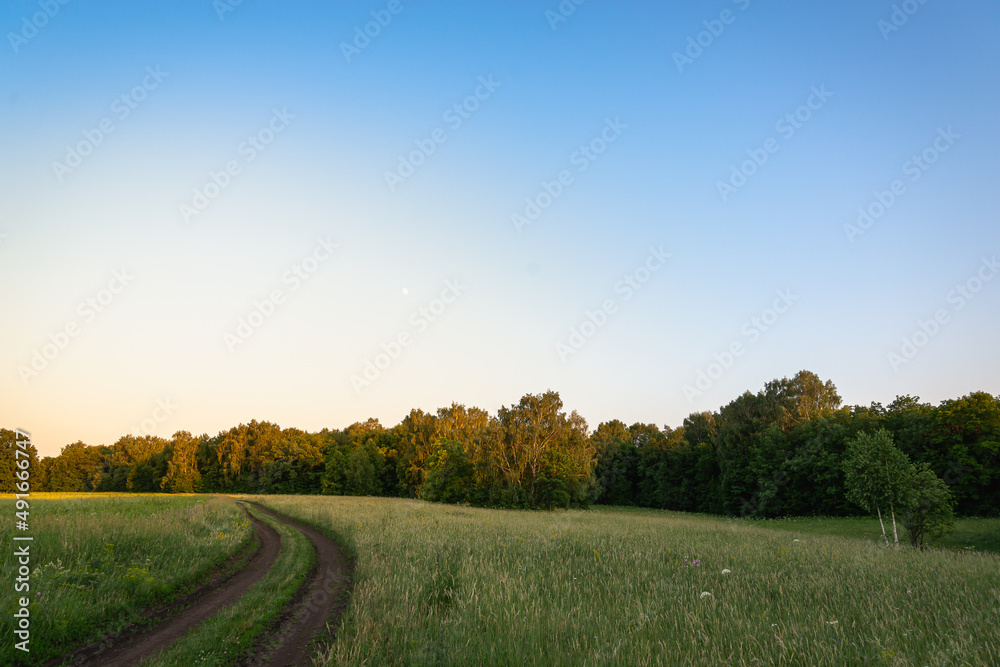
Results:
<point x="488" y="309"/>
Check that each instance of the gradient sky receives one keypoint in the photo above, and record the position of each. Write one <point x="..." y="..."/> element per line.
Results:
<point x="161" y="339"/>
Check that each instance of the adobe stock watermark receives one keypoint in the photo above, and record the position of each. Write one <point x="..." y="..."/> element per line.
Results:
<point x="696" y="44"/>
<point x="419" y="321"/>
<point x="595" y="320"/>
<point x="223" y="7"/>
<point x="899" y="17"/>
<point x="381" y="18"/>
<point x="121" y="107"/>
<point x="164" y="409"/>
<point x="957" y="298"/>
<point x="786" y="126"/>
<point x="296" y="276"/>
<point x="751" y="332"/>
<point x="249" y="149"/>
<point x="562" y="12"/>
<point x="87" y="311"/>
<point x="914" y="168"/>
<point x="454" y="116"/>
<point x="31" y="25"/>
<point x="581" y="158"/>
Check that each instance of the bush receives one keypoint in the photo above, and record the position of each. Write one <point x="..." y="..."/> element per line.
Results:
<point x="928" y="510"/>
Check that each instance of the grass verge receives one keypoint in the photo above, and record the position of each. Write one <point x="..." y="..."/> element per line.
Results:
<point x="98" y="562"/>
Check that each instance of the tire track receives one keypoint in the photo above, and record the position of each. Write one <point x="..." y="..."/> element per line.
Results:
<point x="322" y="603"/>
<point x="156" y="639"/>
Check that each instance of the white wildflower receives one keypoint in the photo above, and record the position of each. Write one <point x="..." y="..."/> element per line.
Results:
<point x="705" y="594"/>
<point x="726" y="571"/>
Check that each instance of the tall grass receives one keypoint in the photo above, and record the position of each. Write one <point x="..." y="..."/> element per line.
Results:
<point x="98" y="560"/>
<point x="438" y="584"/>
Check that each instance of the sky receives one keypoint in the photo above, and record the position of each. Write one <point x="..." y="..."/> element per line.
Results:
<point x="316" y="213"/>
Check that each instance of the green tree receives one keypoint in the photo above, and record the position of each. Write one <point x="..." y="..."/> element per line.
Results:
<point x="182" y="468"/>
<point x="360" y="475"/>
<point x="338" y="447"/>
<point x="419" y="430"/>
<point x="928" y="510"/>
<point x="9" y="467"/>
<point x="877" y="475"/>
<point x="74" y="469"/>
<point x="522" y="443"/>
<point x="964" y="450"/>
<point x="450" y="474"/>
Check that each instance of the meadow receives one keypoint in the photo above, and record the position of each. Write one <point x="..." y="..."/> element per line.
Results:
<point x="99" y="560"/>
<point x="447" y="584"/>
<point x="441" y="584"/>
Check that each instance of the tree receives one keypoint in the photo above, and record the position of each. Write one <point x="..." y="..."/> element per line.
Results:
<point x="9" y="466"/>
<point x="73" y="469"/>
<point x="806" y="397"/>
<point x="419" y="431"/>
<point x="539" y="452"/>
<point x="877" y="475"/>
<point x="360" y="474"/>
<point x="964" y="444"/>
<point x="182" y="469"/>
<point x="338" y="448"/>
<point x="450" y="474"/>
<point x="617" y="461"/>
<point x="928" y="511"/>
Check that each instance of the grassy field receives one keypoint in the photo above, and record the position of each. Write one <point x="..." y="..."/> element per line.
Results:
<point x="969" y="534"/>
<point x="437" y="584"/>
<point x="98" y="560"/>
<point x="443" y="584"/>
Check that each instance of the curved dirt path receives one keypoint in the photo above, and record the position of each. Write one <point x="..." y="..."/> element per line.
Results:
<point x="321" y="602"/>
<point x="146" y="643"/>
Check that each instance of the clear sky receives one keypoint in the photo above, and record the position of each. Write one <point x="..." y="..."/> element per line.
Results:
<point x="474" y="201"/>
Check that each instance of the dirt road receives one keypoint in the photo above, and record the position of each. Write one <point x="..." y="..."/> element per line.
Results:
<point x="159" y="637"/>
<point x="322" y="599"/>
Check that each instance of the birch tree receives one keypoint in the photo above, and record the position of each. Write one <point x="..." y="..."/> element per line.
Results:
<point x="877" y="476"/>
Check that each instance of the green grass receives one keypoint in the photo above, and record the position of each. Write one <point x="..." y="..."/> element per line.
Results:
<point x="437" y="584"/>
<point x="99" y="560"/>
<point x="969" y="534"/>
<point x="227" y="636"/>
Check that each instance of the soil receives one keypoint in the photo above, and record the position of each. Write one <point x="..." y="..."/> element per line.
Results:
<point x="318" y="607"/>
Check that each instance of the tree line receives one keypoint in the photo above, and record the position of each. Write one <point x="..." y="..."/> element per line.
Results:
<point x="782" y="451"/>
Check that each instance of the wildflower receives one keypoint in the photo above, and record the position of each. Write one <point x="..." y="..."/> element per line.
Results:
<point x="831" y="622"/>
<point x="726" y="571"/>
<point x="705" y="594"/>
<point x="795" y="540"/>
